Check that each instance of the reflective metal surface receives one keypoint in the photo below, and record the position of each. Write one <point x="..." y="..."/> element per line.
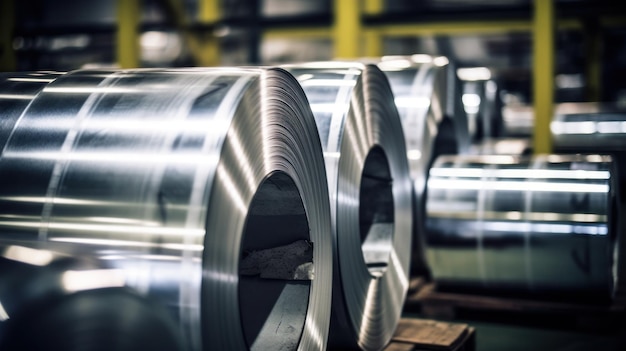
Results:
<point x="370" y="189"/>
<point x="17" y="90"/>
<point x="427" y="95"/>
<point x="539" y="224"/>
<point x="173" y="177"/>
<point x="589" y="126"/>
<point x="50" y="301"/>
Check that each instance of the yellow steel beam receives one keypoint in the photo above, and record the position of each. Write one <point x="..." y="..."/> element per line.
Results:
<point x="208" y="52"/>
<point x="430" y="29"/>
<point x="204" y="47"/>
<point x="613" y="21"/>
<point x="593" y="69"/>
<point x="298" y="33"/>
<point x="373" y="7"/>
<point x="7" y="25"/>
<point x="451" y="28"/>
<point x="543" y="74"/>
<point x="128" y="54"/>
<point x="209" y="11"/>
<point x="347" y="29"/>
<point x="373" y="39"/>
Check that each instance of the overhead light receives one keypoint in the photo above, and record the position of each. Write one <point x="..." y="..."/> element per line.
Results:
<point x="474" y="73"/>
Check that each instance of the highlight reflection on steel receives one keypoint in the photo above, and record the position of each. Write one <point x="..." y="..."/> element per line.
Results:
<point x="173" y="177"/>
<point x="47" y="299"/>
<point x="590" y="127"/>
<point x="427" y="95"/>
<point x="17" y="90"/>
<point x="370" y="192"/>
<point x="542" y="224"/>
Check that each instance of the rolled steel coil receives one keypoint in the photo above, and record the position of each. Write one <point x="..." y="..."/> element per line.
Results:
<point x="427" y="95"/>
<point x="17" y="90"/>
<point x="545" y="224"/>
<point x="175" y="177"/>
<point x="370" y="192"/>
<point x="40" y="313"/>
<point x="589" y="127"/>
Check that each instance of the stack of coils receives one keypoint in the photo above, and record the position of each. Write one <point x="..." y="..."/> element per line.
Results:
<point x="205" y="187"/>
<point x="370" y="193"/>
<point x="545" y="224"/>
<point x="425" y="92"/>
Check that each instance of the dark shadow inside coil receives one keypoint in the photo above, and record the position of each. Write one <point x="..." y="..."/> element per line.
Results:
<point x="376" y="211"/>
<point x="273" y="298"/>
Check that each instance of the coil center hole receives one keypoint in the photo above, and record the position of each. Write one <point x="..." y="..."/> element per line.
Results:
<point x="275" y="267"/>
<point x="376" y="211"/>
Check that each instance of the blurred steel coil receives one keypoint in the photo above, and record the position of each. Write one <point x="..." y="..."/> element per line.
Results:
<point x="40" y="313"/>
<point x="370" y="194"/>
<point x="426" y="93"/>
<point x="175" y="177"/>
<point x="17" y="90"/>
<point x="542" y="224"/>
<point x="589" y="127"/>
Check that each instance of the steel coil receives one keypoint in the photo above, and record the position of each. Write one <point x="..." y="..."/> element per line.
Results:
<point x="40" y="313"/>
<point x="428" y="103"/>
<point x="589" y="127"/>
<point x="543" y="224"/>
<point x="176" y="177"/>
<point x="17" y="90"/>
<point x="370" y="191"/>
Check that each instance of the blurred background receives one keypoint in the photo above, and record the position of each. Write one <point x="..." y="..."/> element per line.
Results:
<point x="582" y="42"/>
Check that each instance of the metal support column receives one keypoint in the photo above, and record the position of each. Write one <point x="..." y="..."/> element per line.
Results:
<point x="373" y="38"/>
<point x="7" y="25"/>
<point x="128" y="52"/>
<point x="543" y="74"/>
<point x="347" y="30"/>
<point x="593" y="50"/>
<point x="210" y="14"/>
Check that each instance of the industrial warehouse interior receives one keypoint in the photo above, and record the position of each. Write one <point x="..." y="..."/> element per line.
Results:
<point x="391" y="175"/>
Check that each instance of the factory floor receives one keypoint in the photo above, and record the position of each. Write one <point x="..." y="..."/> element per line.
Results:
<point x="497" y="336"/>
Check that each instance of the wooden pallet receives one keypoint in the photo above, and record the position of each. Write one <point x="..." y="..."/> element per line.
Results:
<point x="423" y="334"/>
<point x="424" y="298"/>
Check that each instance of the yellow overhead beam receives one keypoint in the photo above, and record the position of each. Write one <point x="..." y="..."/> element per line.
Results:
<point x="543" y="74"/>
<point x="298" y="33"/>
<point x="424" y="29"/>
<point x="7" y="25"/>
<point x="128" y="53"/>
<point x="451" y="28"/>
<point x="347" y="28"/>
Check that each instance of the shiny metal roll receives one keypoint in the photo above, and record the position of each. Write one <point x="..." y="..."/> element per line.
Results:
<point x="543" y="224"/>
<point x="589" y="127"/>
<point x="17" y="90"/>
<point x="176" y="177"/>
<point x="370" y="192"/>
<point x="38" y="312"/>
<point x="427" y="95"/>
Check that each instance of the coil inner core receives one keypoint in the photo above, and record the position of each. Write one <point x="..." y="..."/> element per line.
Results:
<point x="276" y="266"/>
<point x="376" y="212"/>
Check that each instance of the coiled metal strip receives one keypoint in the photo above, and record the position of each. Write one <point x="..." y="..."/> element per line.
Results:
<point x="425" y="97"/>
<point x="370" y="198"/>
<point x="17" y="90"/>
<point x="543" y="224"/>
<point x="174" y="177"/>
